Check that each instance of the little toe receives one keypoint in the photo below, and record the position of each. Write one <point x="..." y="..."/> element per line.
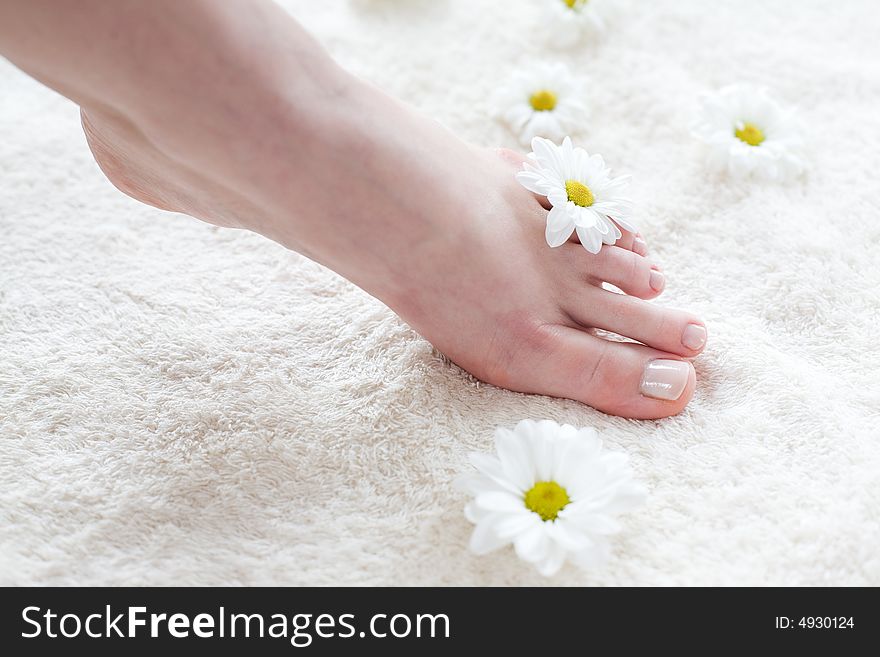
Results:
<point x="614" y="377"/>
<point x="673" y="331"/>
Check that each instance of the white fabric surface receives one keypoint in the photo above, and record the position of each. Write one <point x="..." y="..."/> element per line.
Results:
<point x="181" y="404"/>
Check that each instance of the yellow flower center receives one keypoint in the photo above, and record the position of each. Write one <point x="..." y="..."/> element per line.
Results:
<point x="547" y="499"/>
<point x="543" y="100"/>
<point x="579" y="194"/>
<point x="750" y="134"/>
<point x="575" y="4"/>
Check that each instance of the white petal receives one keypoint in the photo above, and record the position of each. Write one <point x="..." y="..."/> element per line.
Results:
<point x="612" y="235"/>
<point x="532" y="181"/>
<point x="547" y="429"/>
<point x="514" y="457"/>
<point x="540" y="445"/>
<point x="609" y="497"/>
<point x="501" y="502"/>
<point x="567" y="149"/>
<point x="590" y="239"/>
<point x="533" y="544"/>
<point x="558" y="219"/>
<point x="573" y="457"/>
<point x="583" y="217"/>
<point x="517" y="116"/>
<point x="543" y="451"/>
<point x="547" y="155"/>
<point x="595" y="166"/>
<point x="568" y="534"/>
<point x="490" y="466"/>
<point x="485" y="463"/>
<point x="589" y="436"/>
<point x="559" y="237"/>
<point x="565" y="431"/>
<point x="558" y="197"/>
<point x="542" y="124"/>
<point x="514" y="524"/>
<point x="525" y="427"/>
<point x="474" y="483"/>
<point x="553" y="562"/>
<point x="485" y="540"/>
<point x="626" y="223"/>
<point x="475" y="514"/>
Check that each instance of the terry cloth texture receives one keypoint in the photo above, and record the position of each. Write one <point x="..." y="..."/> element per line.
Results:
<point x="182" y="404"/>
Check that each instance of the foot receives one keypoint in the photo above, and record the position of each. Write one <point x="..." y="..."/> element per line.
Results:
<point x="437" y="229"/>
<point x="518" y="314"/>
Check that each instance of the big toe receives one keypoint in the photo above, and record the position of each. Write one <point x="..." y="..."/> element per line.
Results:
<point x="625" y="379"/>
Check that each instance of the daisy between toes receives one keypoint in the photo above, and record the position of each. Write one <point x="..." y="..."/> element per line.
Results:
<point x="583" y="195"/>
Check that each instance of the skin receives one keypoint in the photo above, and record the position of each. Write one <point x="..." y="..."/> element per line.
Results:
<point x="230" y="112"/>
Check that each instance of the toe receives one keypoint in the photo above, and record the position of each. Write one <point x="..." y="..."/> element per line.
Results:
<point x="515" y="160"/>
<point x="632" y="242"/>
<point x="673" y="331"/>
<point x="632" y="273"/>
<point x="615" y="377"/>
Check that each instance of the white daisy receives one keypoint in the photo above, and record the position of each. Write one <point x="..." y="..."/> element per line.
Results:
<point x="541" y="101"/>
<point x="569" y="22"/>
<point x="552" y="491"/>
<point x="584" y="196"/>
<point x="748" y="133"/>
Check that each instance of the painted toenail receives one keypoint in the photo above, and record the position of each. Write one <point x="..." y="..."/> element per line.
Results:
<point x="657" y="280"/>
<point x="694" y="336"/>
<point x="640" y="246"/>
<point x="665" y="379"/>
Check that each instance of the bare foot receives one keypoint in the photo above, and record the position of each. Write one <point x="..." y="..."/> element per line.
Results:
<point x="438" y="230"/>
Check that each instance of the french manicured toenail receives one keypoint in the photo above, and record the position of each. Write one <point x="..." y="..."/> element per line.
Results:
<point x="665" y="379"/>
<point x="694" y="336"/>
<point x="640" y="246"/>
<point x="657" y="280"/>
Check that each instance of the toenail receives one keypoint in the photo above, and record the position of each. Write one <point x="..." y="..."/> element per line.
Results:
<point x="640" y="246"/>
<point x="694" y="336"/>
<point x="657" y="280"/>
<point x="665" y="379"/>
